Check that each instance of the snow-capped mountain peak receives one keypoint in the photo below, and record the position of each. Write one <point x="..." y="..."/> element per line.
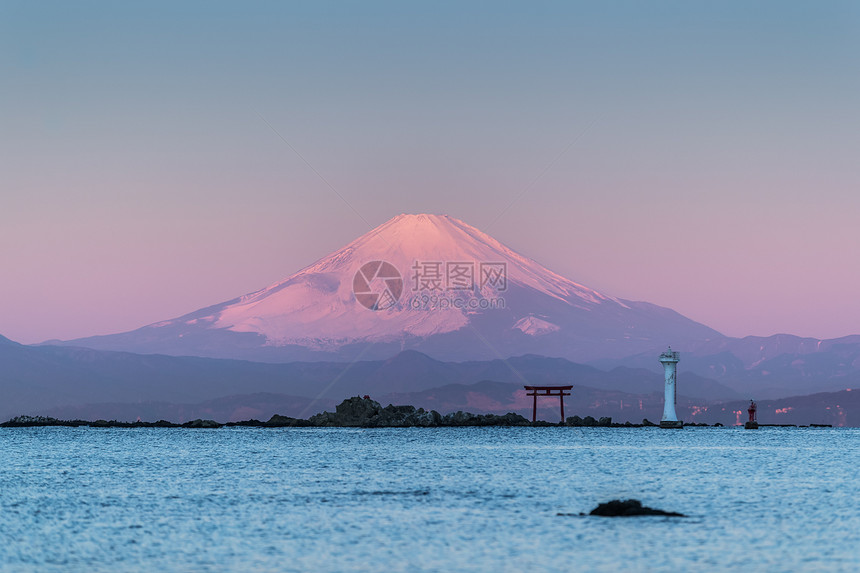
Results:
<point x="429" y="282"/>
<point x="317" y="306"/>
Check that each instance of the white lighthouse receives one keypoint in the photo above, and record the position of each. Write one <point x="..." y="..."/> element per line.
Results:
<point x="670" y="359"/>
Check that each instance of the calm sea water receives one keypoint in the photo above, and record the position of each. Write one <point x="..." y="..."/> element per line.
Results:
<point x="447" y="499"/>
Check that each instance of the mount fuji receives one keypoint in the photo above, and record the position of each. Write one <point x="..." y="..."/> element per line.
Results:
<point x="430" y="283"/>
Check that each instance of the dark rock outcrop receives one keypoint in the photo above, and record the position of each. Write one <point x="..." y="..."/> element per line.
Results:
<point x="38" y="421"/>
<point x="202" y="424"/>
<point x="467" y="419"/>
<point x="278" y="421"/>
<point x="367" y="413"/>
<point x="252" y="423"/>
<point x="589" y="421"/>
<point x="629" y="508"/>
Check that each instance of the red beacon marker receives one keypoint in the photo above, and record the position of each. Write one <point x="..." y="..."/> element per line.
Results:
<point x="752" y="424"/>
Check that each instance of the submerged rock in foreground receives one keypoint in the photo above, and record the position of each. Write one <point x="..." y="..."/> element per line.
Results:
<point x="629" y="508"/>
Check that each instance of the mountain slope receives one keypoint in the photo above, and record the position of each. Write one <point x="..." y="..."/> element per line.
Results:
<point x="447" y="289"/>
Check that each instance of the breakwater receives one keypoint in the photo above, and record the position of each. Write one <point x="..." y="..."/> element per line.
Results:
<point x="352" y="412"/>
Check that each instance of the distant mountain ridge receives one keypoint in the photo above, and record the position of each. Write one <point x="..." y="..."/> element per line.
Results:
<point x="40" y="378"/>
<point x="768" y="367"/>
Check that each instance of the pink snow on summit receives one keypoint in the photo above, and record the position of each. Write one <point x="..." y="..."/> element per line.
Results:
<point x="316" y="306"/>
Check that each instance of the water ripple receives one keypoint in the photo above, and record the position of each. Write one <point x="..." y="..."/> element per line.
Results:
<point x="418" y="499"/>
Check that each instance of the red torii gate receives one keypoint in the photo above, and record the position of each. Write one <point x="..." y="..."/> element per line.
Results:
<point x="547" y="391"/>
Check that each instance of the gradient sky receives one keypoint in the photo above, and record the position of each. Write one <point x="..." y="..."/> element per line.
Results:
<point x="703" y="156"/>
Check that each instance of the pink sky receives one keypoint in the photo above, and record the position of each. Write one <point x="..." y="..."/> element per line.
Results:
<point x="704" y="159"/>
